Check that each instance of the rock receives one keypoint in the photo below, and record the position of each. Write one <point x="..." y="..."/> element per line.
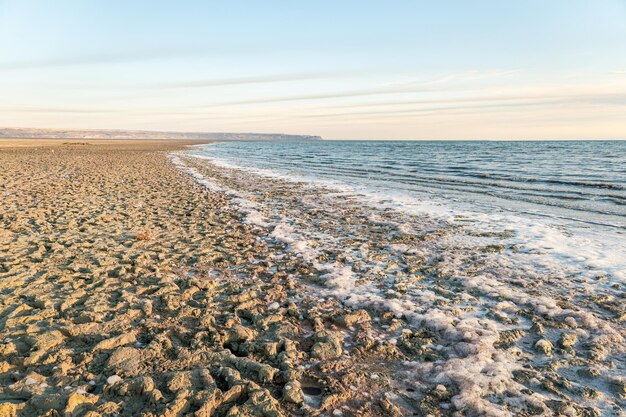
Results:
<point x="109" y="408"/>
<point x="179" y="381"/>
<point x="35" y="357"/>
<point x="5" y="367"/>
<point x="619" y="387"/>
<point x="238" y="334"/>
<point x="8" y="349"/>
<point x="571" y="322"/>
<point x="544" y="346"/>
<point x="45" y="402"/>
<point x="135" y="386"/>
<point x="292" y="392"/>
<point x="197" y="379"/>
<point x="82" y="329"/>
<point x="8" y="409"/>
<point x="567" y="340"/>
<point x="233" y="394"/>
<point x="270" y="349"/>
<point x="537" y="327"/>
<point x="359" y="316"/>
<point x="597" y="352"/>
<point x="232" y="376"/>
<point x="113" y="379"/>
<point x="260" y="403"/>
<point x="114" y="342"/>
<point x="46" y="341"/>
<point x="508" y="338"/>
<point x="208" y="402"/>
<point x="327" y="346"/>
<point x="179" y="406"/>
<point x="590" y="372"/>
<point x="388" y="403"/>
<point x="126" y="361"/>
<point x="254" y="369"/>
<point x="76" y="401"/>
<point x="28" y="386"/>
<point x="147" y="307"/>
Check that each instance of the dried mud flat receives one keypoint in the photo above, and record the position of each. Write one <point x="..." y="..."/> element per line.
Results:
<point x="129" y="287"/>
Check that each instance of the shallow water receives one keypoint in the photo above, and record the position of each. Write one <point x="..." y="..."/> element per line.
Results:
<point x="487" y="295"/>
<point x="566" y="197"/>
<point x="580" y="181"/>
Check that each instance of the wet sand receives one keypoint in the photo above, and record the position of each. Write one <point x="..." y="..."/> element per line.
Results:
<point x="130" y="287"/>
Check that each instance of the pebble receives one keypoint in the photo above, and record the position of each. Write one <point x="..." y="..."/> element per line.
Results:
<point x="113" y="379"/>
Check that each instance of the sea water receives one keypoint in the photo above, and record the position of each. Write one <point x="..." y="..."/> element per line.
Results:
<point x="564" y="196"/>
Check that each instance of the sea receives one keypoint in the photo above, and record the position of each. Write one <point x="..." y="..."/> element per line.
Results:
<point x="565" y="196"/>
<point x="471" y="242"/>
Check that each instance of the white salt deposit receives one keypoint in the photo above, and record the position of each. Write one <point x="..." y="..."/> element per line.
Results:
<point x="476" y="280"/>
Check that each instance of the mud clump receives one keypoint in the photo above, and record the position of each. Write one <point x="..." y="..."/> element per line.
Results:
<point x="327" y="345"/>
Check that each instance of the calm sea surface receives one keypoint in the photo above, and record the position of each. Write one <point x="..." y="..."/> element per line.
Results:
<point x="578" y="182"/>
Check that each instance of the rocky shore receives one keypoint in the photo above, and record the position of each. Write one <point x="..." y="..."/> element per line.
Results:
<point x="136" y="280"/>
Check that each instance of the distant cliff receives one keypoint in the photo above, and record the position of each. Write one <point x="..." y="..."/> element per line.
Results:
<point x="27" y="133"/>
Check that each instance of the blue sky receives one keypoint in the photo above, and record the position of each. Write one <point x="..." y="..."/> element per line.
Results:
<point x="440" y="69"/>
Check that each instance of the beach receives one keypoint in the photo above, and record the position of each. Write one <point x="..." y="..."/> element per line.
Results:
<point x="138" y="279"/>
<point x="121" y="295"/>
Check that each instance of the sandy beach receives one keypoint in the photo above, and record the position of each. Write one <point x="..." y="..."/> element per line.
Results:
<point x="136" y="280"/>
<point x="118" y="297"/>
<point x="312" y="209"/>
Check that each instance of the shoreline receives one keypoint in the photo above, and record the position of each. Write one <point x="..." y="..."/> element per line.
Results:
<point x="130" y="287"/>
<point x="490" y="308"/>
<point x="141" y="143"/>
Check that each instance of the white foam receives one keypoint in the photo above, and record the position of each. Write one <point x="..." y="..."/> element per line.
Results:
<point x="243" y="204"/>
<point x="466" y="336"/>
<point x="597" y="251"/>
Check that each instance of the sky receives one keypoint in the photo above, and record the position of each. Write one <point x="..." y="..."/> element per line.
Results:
<point x="439" y="69"/>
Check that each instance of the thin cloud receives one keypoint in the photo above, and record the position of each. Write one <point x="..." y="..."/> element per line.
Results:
<point x="475" y="75"/>
<point x="476" y="104"/>
<point x="101" y="58"/>
<point x="33" y="109"/>
<point x="396" y="103"/>
<point x="431" y="110"/>
<point x="614" y="98"/>
<point x="255" y="80"/>
<point x="278" y="78"/>
<point x="440" y="83"/>
<point x="324" y="96"/>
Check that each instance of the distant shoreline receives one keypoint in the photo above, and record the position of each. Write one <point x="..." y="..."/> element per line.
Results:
<point x="111" y="134"/>
<point x="51" y="142"/>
